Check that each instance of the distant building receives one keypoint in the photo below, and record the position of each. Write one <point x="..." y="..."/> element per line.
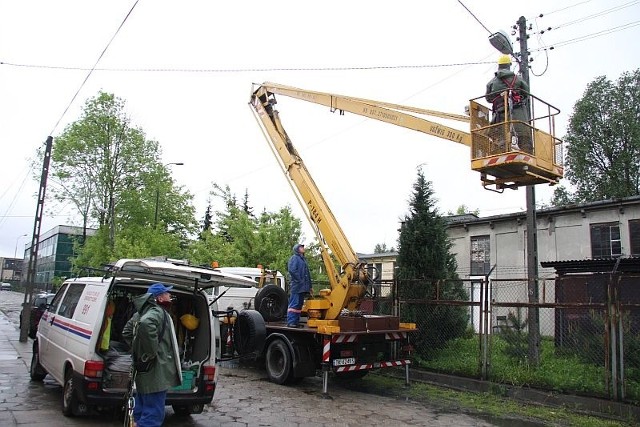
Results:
<point x="11" y="270"/>
<point x="381" y="268"/>
<point x="595" y="230"/>
<point x="55" y="251"/>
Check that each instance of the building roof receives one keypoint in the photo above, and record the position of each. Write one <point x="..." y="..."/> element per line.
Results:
<point x="605" y="265"/>
<point x="378" y="255"/>
<point x="457" y="220"/>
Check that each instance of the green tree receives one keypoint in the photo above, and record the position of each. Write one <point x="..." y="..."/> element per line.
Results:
<point x="463" y="209"/>
<point x="206" y="222"/>
<point x="603" y="140"/>
<point x="562" y="197"/>
<point x="426" y="264"/>
<point x="382" y="248"/>
<point x="237" y="238"/>
<point x="113" y="175"/>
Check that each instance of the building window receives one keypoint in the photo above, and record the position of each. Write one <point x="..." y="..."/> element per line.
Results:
<point x="480" y="255"/>
<point x="634" y="237"/>
<point x="605" y="240"/>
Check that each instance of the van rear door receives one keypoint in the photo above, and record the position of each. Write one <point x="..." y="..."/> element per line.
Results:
<point x="181" y="276"/>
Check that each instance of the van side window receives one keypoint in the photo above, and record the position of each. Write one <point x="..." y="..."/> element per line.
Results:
<point x="53" y="308"/>
<point x="70" y="301"/>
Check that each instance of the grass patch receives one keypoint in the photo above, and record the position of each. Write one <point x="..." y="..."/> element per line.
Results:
<point x="562" y="373"/>
<point x="483" y="405"/>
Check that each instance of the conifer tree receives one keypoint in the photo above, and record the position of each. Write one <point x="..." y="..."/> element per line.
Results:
<point x="426" y="271"/>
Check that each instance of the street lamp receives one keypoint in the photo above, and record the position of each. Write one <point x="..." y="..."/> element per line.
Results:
<point x="155" y="217"/>
<point x="15" y="255"/>
<point x="15" y="252"/>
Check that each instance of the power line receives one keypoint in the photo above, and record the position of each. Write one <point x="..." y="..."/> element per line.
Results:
<point x="94" y="66"/>
<point x="592" y="16"/>
<point x="243" y="70"/>
<point x="601" y="13"/>
<point x="591" y="36"/>
<point x="564" y="8"/>
<point x="474" y="17"/>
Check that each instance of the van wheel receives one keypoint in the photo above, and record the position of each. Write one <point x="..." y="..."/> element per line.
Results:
<point x="69" y="398"/>
<point x="271" y="301"/>
<point x="279" y="362"/>
<point x="249" y="332"/>
<point x="36" y="371"/>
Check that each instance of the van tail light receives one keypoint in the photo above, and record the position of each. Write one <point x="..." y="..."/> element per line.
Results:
<point x="209" y="373"/>
<point x="93" y="368"/>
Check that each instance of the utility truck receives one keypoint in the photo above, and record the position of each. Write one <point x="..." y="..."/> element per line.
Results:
<point x="337" y="336"/>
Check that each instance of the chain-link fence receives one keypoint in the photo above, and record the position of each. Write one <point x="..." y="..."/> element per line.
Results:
<point x="573" y="336"/>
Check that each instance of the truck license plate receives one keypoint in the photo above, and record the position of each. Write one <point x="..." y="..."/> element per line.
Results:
<point x="344" y="362"/>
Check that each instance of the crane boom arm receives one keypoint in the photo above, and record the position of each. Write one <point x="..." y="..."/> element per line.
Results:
<point x="386" y="112"/>
<point x="348" y="286"/>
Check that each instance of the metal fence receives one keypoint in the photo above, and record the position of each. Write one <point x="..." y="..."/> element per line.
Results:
<point x="585" y="337"/>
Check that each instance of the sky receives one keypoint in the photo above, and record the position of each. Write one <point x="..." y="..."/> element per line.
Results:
<point x="185" y="70"/>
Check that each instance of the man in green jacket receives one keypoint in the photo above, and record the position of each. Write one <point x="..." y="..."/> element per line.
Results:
<point x="507" y="87"/>
<point x="154" y="348"/>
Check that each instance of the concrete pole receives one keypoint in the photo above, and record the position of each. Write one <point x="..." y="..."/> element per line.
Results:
<point x="532" y="227"/>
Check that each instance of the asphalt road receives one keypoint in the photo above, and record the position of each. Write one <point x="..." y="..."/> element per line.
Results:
<point x="244" y="396"/>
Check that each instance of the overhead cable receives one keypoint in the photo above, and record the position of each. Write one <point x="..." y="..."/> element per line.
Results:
<point x="94" y="67"/>
<point x="243" y="70"/>
<point x="590" y="36"/>
<point x="564" y="8"/>
<point x="592" y="16"/>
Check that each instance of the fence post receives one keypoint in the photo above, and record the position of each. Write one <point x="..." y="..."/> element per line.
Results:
<point x="611" y="325"/>
<point x="484" y="329"/>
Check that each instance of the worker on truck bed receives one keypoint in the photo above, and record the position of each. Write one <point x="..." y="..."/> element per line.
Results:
<point x="300" y="284"/>
<point x="506" y="85"/>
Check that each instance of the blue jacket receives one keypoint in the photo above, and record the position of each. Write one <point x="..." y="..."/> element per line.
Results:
<point x="300" y="278"/>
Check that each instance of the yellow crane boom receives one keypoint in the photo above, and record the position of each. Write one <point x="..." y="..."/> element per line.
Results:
<point x="502" y="168"/>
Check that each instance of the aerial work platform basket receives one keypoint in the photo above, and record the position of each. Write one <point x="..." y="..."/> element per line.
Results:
<point x="514" y="153"/>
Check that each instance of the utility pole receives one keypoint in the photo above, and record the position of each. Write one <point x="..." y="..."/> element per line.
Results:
<point x="532" y="227"/>
<point x="33" y="253"/>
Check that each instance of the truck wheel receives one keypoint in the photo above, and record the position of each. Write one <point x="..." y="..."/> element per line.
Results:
<point x="279" y="362"/>
<point x="249" y="332"/>
<point x="36" y="371"/>
<point x="271" y="301"/>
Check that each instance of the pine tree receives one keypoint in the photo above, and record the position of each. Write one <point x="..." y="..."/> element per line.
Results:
<point x="426" y="267"/>
<point x="206" y="222"/>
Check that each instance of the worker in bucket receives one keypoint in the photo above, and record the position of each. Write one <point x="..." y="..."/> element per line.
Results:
<point x="509" y="98"/>
<point x="300" y="285"/>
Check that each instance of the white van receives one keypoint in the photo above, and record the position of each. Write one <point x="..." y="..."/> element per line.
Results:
<point x="268" y="295"/>
<point x="79" y="340"/>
